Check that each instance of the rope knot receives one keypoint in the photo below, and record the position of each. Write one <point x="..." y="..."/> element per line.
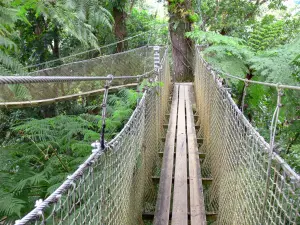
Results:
<point x="246" y="83"/>
<point x="111" y="77"/>
<point x="38" y="202"/>
<point x="57" y="198"/>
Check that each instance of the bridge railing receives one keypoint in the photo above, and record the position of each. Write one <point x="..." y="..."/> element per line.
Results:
<point x="237" y="159"/>
<point x="129" y="63"/>
<point x="113" y="185"/>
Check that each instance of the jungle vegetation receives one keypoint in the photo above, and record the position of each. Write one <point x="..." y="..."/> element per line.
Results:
<point x="257" y="39"/>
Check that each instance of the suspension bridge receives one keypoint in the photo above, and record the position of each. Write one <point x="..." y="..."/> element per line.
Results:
<point x="187" y="154"/>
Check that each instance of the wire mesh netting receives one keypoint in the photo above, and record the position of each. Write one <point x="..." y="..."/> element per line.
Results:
<point x="132" y="62"/>
<point x="237" y="160"/>
<point x="113" y="186"/>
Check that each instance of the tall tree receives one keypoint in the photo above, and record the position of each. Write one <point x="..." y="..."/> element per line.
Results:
<point x="49" y="23"/>
<point x="181" y="18"/>
<point x="119" y="14"/>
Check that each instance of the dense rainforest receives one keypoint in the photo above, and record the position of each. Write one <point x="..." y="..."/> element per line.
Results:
<point x="256" y="40"/>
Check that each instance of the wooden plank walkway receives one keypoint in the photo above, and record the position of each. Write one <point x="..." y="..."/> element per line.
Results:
<point x="165" y="184"/>
<point x="180" y="208"/>
<point x="187" y="197"/>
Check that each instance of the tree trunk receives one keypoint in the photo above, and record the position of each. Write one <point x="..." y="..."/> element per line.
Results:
<point x="55" y="50"/>
<point x="181" y="46"/>
<point x="120" y="31"/>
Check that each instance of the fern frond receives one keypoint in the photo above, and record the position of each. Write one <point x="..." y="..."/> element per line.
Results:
<point x="20" y="92"/>
<point x="275" y="65"/>
<point x="37" y="130"/>
<point x="9" y="205"/>
<point x="8" y="15"/>
<point x="7" y="43"/>
<point x="82" y="149"/>
<point x="10" y="64"/>
<point x="35" y="179"/>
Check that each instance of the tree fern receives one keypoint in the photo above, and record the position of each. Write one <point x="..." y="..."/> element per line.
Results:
<point x="212" y="38"/>
<point x="9" y="205"/>
<point x="42" y="152"/>
<point x="77" y="18"/>
<point x="34" y="179"/>
<point x="8" y="64"/>
<point x="276" y="65"/>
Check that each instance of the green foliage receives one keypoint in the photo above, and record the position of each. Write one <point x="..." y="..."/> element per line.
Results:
<point x="141" y="20"/>
<point x="182" y="10"/>
<point x="270" y="32"/>
<point x="293" y="158"/>
<point x="213" y="38"/>
<point x="8" y="64"/>
<point x="10" y="205"/>
<point x="296" y="68"/>
<point x="39" y="28"/>
<point x="232" y="17"/>
<point x="277" y="65"/>
<point x="228" y="54"/>
<point x="267" y="36"/>
<point x="36" y="155"/>
<point x="275" y="59"/>
<point x="48" y="28"/>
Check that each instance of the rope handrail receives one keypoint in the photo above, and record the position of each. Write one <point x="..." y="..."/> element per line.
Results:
<point x="57" y="79"/>
<point x="278" y="158"/>
<point x="129" y="141"/>
<point x="94" y="49"/>
<point x="31" y="103"/>
<point x="87" y="60"/>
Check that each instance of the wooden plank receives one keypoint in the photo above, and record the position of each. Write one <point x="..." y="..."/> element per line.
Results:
<point x="197" y="207"/>
<point x="197" y="127"/>
<point x="206" y="180"/>
<point x="199" y="140"/>
<point x="201" y="154"/>
<point x="180" y="200"/>
<point x="162" y="210"/>
<point x="150" y="216"/>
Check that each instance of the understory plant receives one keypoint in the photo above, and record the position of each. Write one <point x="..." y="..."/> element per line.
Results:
<point x="37" y="154"/>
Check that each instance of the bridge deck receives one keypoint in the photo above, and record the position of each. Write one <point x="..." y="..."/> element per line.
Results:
<point x="187" y="197"/>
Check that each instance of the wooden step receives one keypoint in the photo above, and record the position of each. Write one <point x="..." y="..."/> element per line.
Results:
<point x="197" y="127"/>
<point x="199" y="140"/>
<point x="149" y="216"/>
<point x="201" y="155"/>
<point x="204" y="180"/>
<point x="195" y="117"/>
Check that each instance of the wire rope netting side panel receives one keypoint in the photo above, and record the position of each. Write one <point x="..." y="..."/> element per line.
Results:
<point x="157" y="106"/>
<point x="237" y="160"/>
<point x="114" y="186"/>
<point x="130" y="63"/>
<point x="163" y="94"/>
<point x="104" y="189"/>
